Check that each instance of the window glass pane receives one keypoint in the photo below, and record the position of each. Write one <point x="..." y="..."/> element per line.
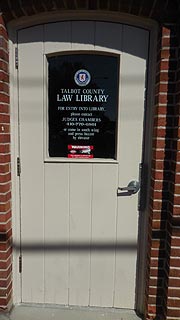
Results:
<point x="82" y="105"/>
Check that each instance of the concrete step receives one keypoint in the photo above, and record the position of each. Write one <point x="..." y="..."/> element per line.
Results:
<point x="48" y="312"/>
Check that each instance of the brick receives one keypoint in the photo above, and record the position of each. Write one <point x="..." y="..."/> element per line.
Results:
<point x="154" y="253"/>
<point x="173" y="303"/>
<point x="158" y="224"/>
<point x="175" y="242"/>
<point x="4" y="108"/>
<point x="3" y="43"/>
<point x="3" y="64"/>
<point x="157" y="185"/>
<point x="5" y="291"/>
<point x="4" y="128"/>
<point x="160" y="110"/>
<point x="4" y="55"/>
<point x="160" y="195"/>
<point x="4" y="87"/>
<point x="156" y="244"/>
<point x="163" y="169"/>
<point x="4" y="188"/>
<point x="178" y="156"/>
<point x="157" y="205"/>
<point x="174" y="262"/>
<point x="6" y="236"/>
<point x="166" y="31"/>
<point x="176" y="209"/>
<point x="166" y="42"/>
<point x="157" y="175"/>
<point x="4" y="138"/>
<point x="4" y="168"/>
<point x="3" y="31"/>
<point x="162" y="76"/>
<point x="165" y="54"/>
<point x="159" y="132"/>
<point x="5" y="207"/>
<point x="4" y="76"/>
<point x="174" y="282"/>
<point x="159" y="215"/>
<point x="4" y="246"/>
<point x="159" y="263"/>
<point x="5" y="158"/>
<point x="4" y="118"/>
<point x="156" y="281"/>
<point x="5" y="177"/>
<point x="5" y="216"/>
<point x="173" y="312"/>
<point x="4" y="264"/>
<point x="158" y="164"/>
<point x="3" y="301"/>
<point x="5" y="197"/>
<point x="152" y="309"/>
<point x="5" y="273"/>
<point x="164" y="65"/>
<point x="176" y="187"/>
<point x="175" y="273"/>
<point x="176" y="199"/>
<point x="159" y="143"/>
<point x="175" y="231"/>
<point x="5" y="307"/>
<point x="177" y="178"/>
<point x="5" y="226"/>
<point x="160" y="121"/>
<point x="155" y="300"/>
<point x="178" y="147"/>
<point x="158" y="154"/>
<point x="155" y="290"/>
<point x="4" y="283"/>
<point x="161" y="99"/>
<point x="6" y="254"/>
<point x="4" y="148"/>
<point x="157" y="195"/>
<point x="5" y="194"/>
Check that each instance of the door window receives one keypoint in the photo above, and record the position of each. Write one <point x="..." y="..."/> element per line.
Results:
<point x="83" y="105"/>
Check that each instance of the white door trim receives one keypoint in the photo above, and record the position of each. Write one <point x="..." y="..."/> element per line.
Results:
<point x="44" y="18"/>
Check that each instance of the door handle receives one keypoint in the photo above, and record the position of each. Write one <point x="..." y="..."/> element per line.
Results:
<point x="132" y="187"/>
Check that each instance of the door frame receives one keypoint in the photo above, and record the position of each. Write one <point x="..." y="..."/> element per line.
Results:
<point x="25" y="22"/>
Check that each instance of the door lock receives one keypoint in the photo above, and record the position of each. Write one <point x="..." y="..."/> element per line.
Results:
<point x="132" y="187"/>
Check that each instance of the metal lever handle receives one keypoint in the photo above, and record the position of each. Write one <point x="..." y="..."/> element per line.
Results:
<point x="132" y="187"/>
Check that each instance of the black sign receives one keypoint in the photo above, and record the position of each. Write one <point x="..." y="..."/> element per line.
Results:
<point x="83" y="104"/>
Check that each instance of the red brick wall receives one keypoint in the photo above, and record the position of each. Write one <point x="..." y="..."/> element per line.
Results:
<point x="155" y="290"/>
<point x="5" y="174"/>
<point x="173" y="227"/>
<point x="163" y="261"/>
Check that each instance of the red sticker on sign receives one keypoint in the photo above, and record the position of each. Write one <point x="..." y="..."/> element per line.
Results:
<point x="84" y="152"/>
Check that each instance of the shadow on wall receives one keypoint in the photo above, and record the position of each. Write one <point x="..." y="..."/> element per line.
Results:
<point x="82" y="32"/>
<point x="83" y="247"/>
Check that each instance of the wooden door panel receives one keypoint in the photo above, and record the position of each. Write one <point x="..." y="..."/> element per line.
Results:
<point x="79" y="238"/>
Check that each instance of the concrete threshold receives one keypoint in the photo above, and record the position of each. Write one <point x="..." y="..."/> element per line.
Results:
<point x="48" y="312"/>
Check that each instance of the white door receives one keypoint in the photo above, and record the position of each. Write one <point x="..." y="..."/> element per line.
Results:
<point x="78" y="235"/>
